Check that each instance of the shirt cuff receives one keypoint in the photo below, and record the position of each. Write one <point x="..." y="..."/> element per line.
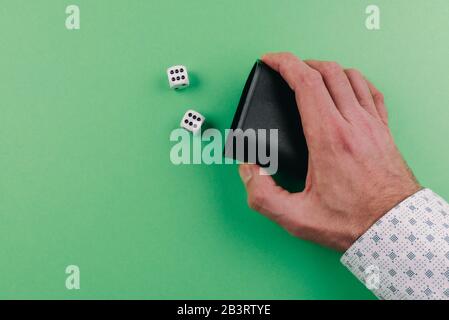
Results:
<point x="405" y="254"/>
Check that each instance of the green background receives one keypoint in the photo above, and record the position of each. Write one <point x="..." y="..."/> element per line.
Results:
<point x="85" y="118"/>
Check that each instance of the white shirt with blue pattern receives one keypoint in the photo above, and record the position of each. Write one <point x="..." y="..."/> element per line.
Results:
<point x="405" y="254"/>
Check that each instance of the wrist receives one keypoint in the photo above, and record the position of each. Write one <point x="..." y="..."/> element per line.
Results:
<point x="381" y="205"/>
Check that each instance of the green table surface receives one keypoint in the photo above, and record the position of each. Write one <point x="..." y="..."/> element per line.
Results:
<point x="85" y="118"/>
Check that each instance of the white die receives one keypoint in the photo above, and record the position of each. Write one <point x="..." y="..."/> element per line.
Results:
<point x="178" y="77"/>
<point x="192" y="121"/>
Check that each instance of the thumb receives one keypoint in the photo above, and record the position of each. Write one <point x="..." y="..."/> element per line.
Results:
<point x="264" y="195"/>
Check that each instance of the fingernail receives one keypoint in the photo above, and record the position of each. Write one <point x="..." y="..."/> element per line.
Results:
<point x="245" y="173"/>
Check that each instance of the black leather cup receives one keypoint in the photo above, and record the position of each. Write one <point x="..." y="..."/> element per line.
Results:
<point x="267" y="102"/>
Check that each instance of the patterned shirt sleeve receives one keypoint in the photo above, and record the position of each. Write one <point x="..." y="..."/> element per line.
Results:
<point x="405" y="254"/>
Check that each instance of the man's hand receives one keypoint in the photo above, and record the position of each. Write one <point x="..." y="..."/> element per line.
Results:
<point x="356" y="173"/>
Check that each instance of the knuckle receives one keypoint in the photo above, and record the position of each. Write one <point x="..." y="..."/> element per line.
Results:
<point x="311" y="78"/>
<point x="354" y="72"/>
<point x="333" y="122"/>
<point x="287" y="58"/>
<point x="331" y="69"/>
<point x="256" y="200"/>
<point x="364" y="102"/>
<point x="366" y="124"/>
<point x="288" y="55"/>
<point x="379" y="97"/>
